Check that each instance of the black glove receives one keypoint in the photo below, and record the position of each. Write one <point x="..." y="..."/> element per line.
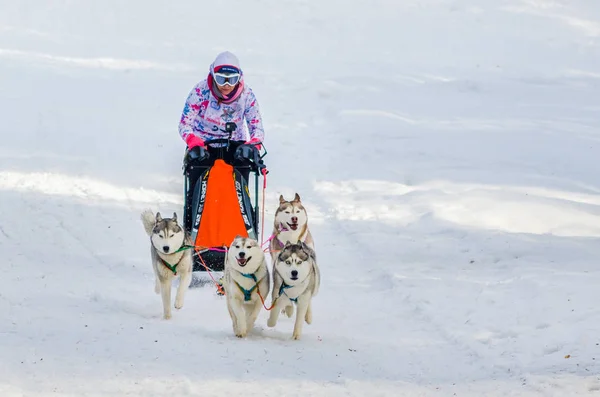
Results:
<point x="197" y="153"/>
<point x="247" y="152"/>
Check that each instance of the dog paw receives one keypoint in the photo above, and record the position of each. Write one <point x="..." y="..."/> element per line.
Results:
<point x="167" y="316"/>
<point x="308" y="318"/>
<point x="241" y="333"/>
<point x="271" y="322"/>
<point x="178" y="304"/>
<point x="296" y="336"/>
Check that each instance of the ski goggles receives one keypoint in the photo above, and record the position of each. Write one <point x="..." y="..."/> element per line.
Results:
<point x="227" y="78"/>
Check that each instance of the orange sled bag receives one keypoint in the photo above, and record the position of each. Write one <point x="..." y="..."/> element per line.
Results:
<point x="221" y="210"/>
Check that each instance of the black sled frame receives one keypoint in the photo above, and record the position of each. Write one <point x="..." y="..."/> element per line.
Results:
<point x="213" y="258"/>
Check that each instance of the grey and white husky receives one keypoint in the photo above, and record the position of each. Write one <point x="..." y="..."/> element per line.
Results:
<point x="246" y="275"/>
<point x="170" y="258"/>
<point x="296" y="279"/>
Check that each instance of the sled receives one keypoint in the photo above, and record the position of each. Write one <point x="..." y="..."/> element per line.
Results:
<point x="221" y="209"/>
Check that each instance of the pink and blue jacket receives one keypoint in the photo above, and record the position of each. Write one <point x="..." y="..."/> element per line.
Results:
<point x="204" y="115"/>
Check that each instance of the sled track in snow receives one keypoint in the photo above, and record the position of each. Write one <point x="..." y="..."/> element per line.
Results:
<point x="430" y="326"/>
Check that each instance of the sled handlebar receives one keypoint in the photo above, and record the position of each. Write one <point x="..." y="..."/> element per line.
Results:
<point x="254" y="160"/>
<point x="215" y="141"/>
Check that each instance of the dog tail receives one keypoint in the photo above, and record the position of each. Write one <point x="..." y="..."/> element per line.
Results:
<point x="149" y="220"/>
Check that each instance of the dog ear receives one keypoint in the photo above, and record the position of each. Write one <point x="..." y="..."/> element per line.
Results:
<point x="158" y="217"/>
<point x="281" y="199"/>
<point x="287" y="244"/>
<point x="306" y="248"/>
<point x="297" y="198"/>
<point x="174" y="216"/>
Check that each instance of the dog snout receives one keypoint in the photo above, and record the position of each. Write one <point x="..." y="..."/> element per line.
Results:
<point x="294" y="219"/>
<point x="166" y="249"/>
<point x="294" y="273"/>
<point x="242" y="254"/>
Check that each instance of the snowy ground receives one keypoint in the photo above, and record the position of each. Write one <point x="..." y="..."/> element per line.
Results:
<point x="447" y="152"/>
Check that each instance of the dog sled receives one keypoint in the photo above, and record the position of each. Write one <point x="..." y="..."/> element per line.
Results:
<point x="218" y="205"/>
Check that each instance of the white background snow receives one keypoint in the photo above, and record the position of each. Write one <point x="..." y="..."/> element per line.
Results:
<point x="447" y="152"/>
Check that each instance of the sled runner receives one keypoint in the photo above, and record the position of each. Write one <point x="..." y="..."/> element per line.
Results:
<point x="218" y="206"/>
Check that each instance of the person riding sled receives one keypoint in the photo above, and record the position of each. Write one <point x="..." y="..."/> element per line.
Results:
<point x="212" y="125"/>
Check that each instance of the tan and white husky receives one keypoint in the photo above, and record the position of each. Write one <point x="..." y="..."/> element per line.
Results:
<point x="290" y="224"/>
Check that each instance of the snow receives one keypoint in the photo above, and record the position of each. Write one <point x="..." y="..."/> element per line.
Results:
<point x="446" y="151"/>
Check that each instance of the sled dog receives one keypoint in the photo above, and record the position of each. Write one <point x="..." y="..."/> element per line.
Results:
<point x="169" y="257"/>
<point x="296" y="278"/>
<point x="290" y="224"/>
<point x="245" y="276"/>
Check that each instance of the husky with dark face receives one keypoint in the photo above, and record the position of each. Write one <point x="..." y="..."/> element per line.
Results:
<point x="246" y="276"/>
<point x="296" y="279"/>
<point x="169" y="257"/>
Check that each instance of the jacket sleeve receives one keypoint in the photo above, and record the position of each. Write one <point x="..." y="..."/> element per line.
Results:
<point x="190" y="113"/>
<point x="253" y="118"/>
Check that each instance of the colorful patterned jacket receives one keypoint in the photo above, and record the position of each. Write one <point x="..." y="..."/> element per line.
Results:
<point x="204" y="116"/>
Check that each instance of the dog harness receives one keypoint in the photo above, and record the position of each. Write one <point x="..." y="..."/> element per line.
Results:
<point x="173" y="268"/>
<point x="247" y="292"/>
<point x="282" y="289"/>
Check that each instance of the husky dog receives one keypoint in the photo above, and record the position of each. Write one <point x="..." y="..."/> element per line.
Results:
<point x="290" y="224"/>
<point x="245" y="277"/>
<point x="296" y="278"/>
<point x="169" y="257"/>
